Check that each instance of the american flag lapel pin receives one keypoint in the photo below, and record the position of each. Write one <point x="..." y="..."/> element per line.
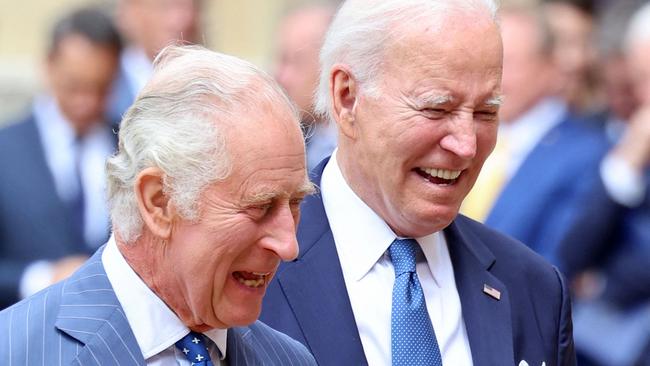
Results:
<point x="492" y="291"/>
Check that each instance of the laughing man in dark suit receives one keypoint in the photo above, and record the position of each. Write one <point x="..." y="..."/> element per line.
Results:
<point x="388" y="273"/>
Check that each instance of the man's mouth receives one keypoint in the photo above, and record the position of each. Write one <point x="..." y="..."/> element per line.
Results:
<point x="439" y="176"/>
<point x="251" y="279"/>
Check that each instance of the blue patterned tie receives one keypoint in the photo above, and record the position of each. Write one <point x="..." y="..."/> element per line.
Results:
<point x="195" y="349"/>
<point x="413" y="340"/>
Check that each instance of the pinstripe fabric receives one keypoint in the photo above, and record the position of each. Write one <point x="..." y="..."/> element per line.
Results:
<point x="80" y="322"/>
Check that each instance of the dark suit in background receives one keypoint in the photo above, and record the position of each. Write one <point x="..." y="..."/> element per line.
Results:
<point x="547" y="191"/>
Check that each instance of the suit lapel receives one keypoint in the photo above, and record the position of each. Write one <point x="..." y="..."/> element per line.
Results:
<point x="46" y="194"/>
<point x="314" y="284"/>
<point x="513" y="208"/>
<point x="91" y="313"/>
<point x="487" y="320"/>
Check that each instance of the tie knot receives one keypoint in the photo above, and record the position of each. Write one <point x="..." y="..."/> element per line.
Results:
<point x="402" y="254"/>
<point x="195" y="349"/>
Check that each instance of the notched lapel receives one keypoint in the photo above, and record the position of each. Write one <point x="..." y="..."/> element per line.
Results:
<point x="487" y="320"/>
<point x="315" y="289"/>
<point x="90" y="313"/>
<point x="242" y="349"/>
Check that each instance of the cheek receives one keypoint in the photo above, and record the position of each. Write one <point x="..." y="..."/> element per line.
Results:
<point x="486" y="137"/>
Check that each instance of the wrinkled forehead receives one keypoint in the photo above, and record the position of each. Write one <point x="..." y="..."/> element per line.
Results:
<point x="456" y="42"/>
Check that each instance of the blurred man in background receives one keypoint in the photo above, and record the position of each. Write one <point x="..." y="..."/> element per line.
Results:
<point x="299" y="40"/>
<point x="52" y="200"/>
<point x="533" y="184"/>
<point x="607" y="252"/>
<point x="574" y="55"/>
<point x="148" y="26"/>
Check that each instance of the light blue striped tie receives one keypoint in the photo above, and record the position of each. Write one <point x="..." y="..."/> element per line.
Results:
<point x="413" y="340"/>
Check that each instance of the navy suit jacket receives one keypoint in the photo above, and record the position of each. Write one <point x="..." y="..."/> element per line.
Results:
<point x="34" y="221"/>
<point x="308" y="299"/>
<point x="547" y="193"/>
<point x="616" y="240"/>
<point x="80" y="322"/>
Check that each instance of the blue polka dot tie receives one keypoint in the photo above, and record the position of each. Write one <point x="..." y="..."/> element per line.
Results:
<point x="195" y="349"/>
<point x="413" y="341"/>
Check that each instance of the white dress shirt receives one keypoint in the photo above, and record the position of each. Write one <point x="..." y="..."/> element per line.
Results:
<point x="524" y="133"/>
<point x="155" y="326"/>
<point x="58" y="141"/>
<point x="137" y="68"/>
<point x="362" y="239"/>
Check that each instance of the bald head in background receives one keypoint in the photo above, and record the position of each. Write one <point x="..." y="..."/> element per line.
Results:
<point x="300" y="37"/>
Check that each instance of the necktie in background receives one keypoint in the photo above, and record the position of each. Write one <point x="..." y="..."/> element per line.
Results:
<point x="413" y="340"/>
<point x="78" y="202"/>
<point x="489" y="184"/>
<point x="195" y="349"/>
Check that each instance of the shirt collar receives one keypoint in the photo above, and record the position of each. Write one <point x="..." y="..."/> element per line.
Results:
<point x="363" y="235"/>
<point x="51" y="124"/>
<point x="525" y="131"/>
<point x="143" y="308"/>
<point x="137" y="67"/>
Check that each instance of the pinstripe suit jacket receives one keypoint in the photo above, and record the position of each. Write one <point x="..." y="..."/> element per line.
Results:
<point x="80" y="322"/>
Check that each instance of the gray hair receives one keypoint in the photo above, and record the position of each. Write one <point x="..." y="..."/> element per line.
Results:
<point x="361" y="30"/>
<point x="639" y="28"/>
<point x="174" y="125"/>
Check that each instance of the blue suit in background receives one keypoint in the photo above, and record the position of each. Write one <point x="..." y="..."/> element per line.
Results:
<point x="613" y="241"/>
<point x="308" y="299"/>
<point x="34" y="222"/>
<point x="79" y="321"/>
<point x="548" y="190"/>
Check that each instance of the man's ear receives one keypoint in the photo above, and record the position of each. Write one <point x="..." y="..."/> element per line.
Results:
<point x="344" y="89"/>
<point x="155" y="206"/>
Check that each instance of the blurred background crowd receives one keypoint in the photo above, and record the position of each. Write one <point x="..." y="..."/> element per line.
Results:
<point x="569" y="177"/>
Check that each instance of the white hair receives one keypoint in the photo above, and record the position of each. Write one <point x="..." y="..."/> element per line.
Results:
<point x="362" y="29"/>
<point x="638" y="30"/>
<point x="174" y="125"/>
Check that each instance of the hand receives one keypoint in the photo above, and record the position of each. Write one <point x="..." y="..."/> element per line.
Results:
<point x="634" y="146"/>
<point x="588" y="285"/>
<point x="64" y="267"/>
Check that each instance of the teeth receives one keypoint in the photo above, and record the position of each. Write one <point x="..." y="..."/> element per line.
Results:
<point x="442" y="173"/>
<point x="254" y="283"/>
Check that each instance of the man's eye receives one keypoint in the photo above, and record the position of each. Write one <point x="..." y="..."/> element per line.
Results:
<point x="486" y="115"/>
<point x="434" y="112"/>
<point x="259" y="211"/>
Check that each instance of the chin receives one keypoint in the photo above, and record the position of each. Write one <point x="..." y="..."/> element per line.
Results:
<point x="243" y="318"/>
<point x="429" y="223"/>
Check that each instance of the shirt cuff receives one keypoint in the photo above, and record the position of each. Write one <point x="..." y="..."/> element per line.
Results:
<point x="622" y="182"/>
<point x="37" y="276"/>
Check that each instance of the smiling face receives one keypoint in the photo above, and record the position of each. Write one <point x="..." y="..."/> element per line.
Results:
<point x="220" y="266"/>
<point x="416" y="149"/>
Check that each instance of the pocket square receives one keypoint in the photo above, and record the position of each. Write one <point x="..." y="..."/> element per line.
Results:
<point x="524" y="363"/>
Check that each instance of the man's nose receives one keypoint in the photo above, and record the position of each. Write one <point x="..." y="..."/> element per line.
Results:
<point x="280" y="237"/>
<point x="461" y="139"/>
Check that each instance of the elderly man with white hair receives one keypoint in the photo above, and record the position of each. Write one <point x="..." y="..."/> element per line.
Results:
<point x="388" y="272"/>
<point x="204" y="194"/>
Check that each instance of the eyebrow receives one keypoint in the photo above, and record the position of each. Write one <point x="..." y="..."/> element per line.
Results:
<point x="435" y="99"/>
<point x="305" y="189"/>
<point x="494" y="101"/>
